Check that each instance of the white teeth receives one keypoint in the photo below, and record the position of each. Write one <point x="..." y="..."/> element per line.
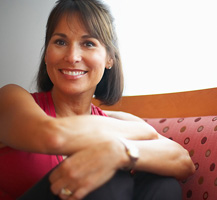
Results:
<point x="73" y="73"/>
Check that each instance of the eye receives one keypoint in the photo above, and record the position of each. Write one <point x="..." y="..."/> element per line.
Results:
<point x="60" y="42"/>
<point x="89" y="44"/>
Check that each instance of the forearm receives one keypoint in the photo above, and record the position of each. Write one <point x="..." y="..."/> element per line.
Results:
<point x="123" y="116"/>
<point x="49" y="135"/>
<point x="164" y="157"/>
<point x="149" y="132"/>
<point x="160" y="156"/>
<point x="75" y="133"/>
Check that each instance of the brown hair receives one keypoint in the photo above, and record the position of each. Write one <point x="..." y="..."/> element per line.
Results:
<point x="99" y="23"/>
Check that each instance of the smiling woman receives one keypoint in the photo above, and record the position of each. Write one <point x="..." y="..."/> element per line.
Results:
<point x="81" y="59"/>
<point x="97" y="46"/>
<point x="75" y="59"/>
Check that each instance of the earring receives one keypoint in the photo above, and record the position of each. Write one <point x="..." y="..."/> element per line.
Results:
<point x="109" y="67"/>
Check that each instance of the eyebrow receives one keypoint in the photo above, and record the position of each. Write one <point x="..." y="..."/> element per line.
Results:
<point x="60" y="34"/>
<point x="65" y="36"/>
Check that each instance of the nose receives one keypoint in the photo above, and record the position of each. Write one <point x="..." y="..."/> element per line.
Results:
<point x="73" y="54"/>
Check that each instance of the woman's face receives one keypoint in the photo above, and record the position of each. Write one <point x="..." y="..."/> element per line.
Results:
<point x="75" y="60"/>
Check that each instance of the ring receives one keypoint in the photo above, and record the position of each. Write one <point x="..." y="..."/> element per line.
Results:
<point x="66" y="191"/>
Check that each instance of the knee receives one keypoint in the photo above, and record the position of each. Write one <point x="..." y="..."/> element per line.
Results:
<point x="151" y="186"/>
<point x="168" y="189"/>
<point x="119" y="187"/>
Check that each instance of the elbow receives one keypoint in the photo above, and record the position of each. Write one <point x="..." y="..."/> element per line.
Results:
<point x="186" y="167"/>
<point x="155" y="134"/>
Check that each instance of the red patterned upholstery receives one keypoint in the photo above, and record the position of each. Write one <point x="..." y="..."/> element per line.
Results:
<point x="199" y="136"/>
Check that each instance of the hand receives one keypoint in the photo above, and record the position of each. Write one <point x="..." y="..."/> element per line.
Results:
<point x="88" y="169"/>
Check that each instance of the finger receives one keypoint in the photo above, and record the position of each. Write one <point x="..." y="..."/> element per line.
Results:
<point x="79" y="194"/>
<point x="57" y="186"/>
<point x="60" y="177"/>
<point x="65" y="193"/>
<point x="55" y="175"/>
<point x="69" y="181"/>
<point x="60" y="171"/>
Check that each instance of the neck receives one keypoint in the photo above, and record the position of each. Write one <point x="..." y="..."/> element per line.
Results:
<point x="71" y="105"/>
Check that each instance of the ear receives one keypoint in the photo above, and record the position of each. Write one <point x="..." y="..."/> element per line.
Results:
<point x="109" y="63"/>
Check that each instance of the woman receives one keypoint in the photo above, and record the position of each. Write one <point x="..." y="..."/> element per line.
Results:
<point x="81" y="60"/>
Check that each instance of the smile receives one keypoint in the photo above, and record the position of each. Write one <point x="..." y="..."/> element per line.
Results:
<point x="73" y="73"/>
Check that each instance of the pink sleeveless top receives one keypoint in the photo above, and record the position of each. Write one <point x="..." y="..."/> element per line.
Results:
<point x="20" y="170"/>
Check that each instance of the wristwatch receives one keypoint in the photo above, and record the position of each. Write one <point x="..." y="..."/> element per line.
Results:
<point x="132" y="152"/>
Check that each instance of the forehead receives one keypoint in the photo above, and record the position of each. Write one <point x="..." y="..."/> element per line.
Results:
<point x="71" y="23"/>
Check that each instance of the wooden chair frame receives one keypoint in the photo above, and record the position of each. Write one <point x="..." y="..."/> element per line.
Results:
<point x="180" y="104"/>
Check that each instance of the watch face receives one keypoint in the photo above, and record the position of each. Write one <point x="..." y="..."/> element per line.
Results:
<point x="133" y="151"/>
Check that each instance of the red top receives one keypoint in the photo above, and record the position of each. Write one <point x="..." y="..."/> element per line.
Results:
<point x="20" y="170"/>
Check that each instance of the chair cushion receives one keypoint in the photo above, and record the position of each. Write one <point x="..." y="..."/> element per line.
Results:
<point x="199" y="136"/>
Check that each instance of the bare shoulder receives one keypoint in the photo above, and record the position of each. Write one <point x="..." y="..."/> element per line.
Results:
<point x="10" y="94"/>
<point x="17" y="107"/>
<point x="15" y="100"/>
<point x="11" y="89"/>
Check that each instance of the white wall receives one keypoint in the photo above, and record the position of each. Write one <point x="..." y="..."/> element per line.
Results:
<point x="166" y="46"/>
<point x="22" y="33"/>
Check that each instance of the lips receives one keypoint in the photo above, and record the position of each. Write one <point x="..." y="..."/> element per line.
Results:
<point x="73" y="73"/>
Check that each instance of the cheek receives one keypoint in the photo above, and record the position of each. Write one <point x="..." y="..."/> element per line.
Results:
<point x="96" y="63"/>
<point x="49" y="56"/>
<point x="99" y="65"/>
<point x="50" y="60"/>
<point x="99" y="60"/>
<point x="52" y="55"/>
